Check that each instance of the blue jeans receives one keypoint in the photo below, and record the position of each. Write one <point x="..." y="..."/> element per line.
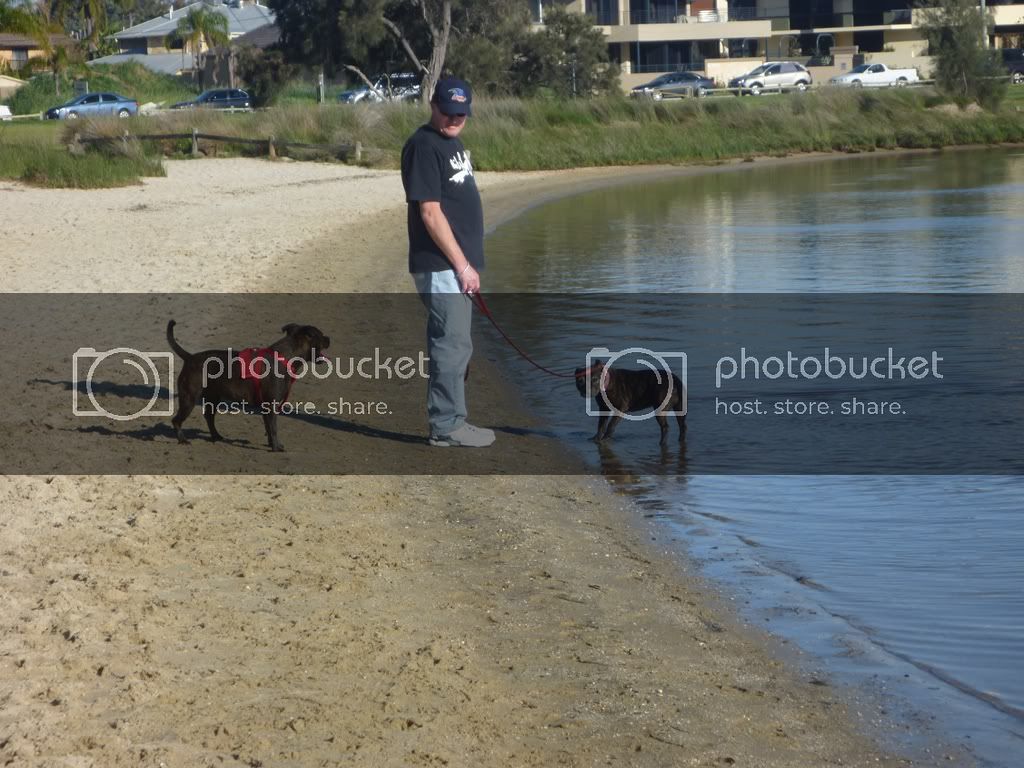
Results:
<point x="449" y="347"/>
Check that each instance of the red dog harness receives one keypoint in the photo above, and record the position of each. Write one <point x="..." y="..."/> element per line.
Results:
<point x="257" y="365"/>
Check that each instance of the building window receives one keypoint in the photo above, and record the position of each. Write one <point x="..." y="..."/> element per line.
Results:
<point x="664" y="57"/>
<point x="604" y="12"/>
<point x="19" y="58"/>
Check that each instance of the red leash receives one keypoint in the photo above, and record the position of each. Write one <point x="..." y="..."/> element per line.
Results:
<point x="478" y="300"/>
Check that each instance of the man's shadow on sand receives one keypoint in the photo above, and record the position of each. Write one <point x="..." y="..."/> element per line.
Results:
<point x="144" y="394"/>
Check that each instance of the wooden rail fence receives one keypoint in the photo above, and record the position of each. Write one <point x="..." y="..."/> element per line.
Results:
<point x="272" y="144"/>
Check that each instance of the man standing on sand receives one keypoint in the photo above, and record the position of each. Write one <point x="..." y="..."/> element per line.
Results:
<point x="446" y="254"/>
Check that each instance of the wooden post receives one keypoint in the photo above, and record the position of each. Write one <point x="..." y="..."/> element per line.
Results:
<point x="75" y="145"/>
<point x="195" y="142"/>
<point x="359" y="151"/>
<point x="271" y="151"/>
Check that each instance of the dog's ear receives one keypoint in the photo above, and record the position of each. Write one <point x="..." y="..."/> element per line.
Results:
<point x="290" y="328"/>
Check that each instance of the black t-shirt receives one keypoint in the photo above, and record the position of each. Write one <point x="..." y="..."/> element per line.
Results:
<point x="436" y="168"/>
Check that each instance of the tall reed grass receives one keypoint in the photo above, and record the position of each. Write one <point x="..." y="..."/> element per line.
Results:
<point x="33" y="154"/>
<point x="511" y="134"/>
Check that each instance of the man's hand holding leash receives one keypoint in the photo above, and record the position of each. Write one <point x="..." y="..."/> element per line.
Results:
<point x="469" y="280"/>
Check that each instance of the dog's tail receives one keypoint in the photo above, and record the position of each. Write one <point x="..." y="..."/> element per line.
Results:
<point x="175" y="345"/>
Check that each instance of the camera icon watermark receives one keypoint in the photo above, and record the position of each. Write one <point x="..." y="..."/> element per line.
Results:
<point x="127" y="367"/>
<point x="634" y="384"/>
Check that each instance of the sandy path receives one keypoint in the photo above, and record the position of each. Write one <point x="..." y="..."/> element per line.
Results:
<point x="323" y="621"/>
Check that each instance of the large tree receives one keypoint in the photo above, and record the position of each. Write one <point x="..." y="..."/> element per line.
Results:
<point x="359" y="35"/>
<point x="569" y="57"/>
<point x="965" y="70"/>
<point x="15" y="18"/>
<point x="88" y="18"/>
<point x="486" y="36"/>
<point x="127" y="13"/>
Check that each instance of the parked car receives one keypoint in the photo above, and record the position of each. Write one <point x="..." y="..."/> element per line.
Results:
<point x="773" y="75"/>
<point x="404" y="85"/>
<point x="675" y="84"/>
<point x="218" y="98"/>
<point x="94" y="105"/>
<point x="1013" y="60"/>
<point x="875" y="76"/>
<point x="5" y="113"/>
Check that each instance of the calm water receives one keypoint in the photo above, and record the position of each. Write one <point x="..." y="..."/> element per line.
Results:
<point x="909" y="588"/>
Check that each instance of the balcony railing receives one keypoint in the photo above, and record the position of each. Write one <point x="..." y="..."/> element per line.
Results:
<point x="655" y="16"/>
<point x="647" y="68"/>
<point x="779" y="20"/>
<point x="902" y="16"/>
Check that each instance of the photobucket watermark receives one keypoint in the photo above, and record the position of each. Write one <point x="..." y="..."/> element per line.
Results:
<point x="264" y="364"/>
<point x="888" y="367"/>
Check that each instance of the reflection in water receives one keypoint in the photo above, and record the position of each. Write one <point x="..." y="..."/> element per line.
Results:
<point x="918" y="579"/>
<point x="950" y="221"/>
<point x="640" y="475"/>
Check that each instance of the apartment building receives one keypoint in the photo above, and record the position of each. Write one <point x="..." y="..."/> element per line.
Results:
<point x="727" y="37"/>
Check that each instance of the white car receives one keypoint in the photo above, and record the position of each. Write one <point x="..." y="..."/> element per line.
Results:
<point x="875" y="76"/>
<point x="5" y="113"/>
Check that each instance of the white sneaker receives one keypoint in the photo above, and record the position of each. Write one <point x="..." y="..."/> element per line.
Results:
<point x="466" y="436"/>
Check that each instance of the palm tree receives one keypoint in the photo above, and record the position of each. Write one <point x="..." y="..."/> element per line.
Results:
<point x="93" y="16"/>
<point x="203" y="29"/>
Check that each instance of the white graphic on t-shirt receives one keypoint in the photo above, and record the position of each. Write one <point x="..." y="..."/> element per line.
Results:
<point x="462" y="166"/>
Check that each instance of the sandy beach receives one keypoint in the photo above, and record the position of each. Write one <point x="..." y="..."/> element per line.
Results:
<point x="275" y="620"/>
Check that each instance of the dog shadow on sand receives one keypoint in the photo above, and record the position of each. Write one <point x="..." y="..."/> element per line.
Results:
<point x="144" y="394"/>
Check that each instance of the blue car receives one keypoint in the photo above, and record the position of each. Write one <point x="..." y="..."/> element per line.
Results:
<point x="94" y="105"/>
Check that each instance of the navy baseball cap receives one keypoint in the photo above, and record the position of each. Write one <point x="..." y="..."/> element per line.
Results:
<point x="453" y="96"/>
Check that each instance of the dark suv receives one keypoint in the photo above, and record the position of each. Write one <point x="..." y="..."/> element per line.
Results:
<point x="218" y="98"/>
<point x="1013" y="60"/>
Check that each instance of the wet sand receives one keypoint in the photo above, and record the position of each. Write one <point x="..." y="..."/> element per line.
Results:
<point x="270" y="620"/>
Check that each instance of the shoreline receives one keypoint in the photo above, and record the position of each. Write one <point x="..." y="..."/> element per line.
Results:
<point x="194" y="620"/>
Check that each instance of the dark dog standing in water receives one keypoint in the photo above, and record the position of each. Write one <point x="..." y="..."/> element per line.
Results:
<point x="302" y="342"/>
<point x="629" y="391"/>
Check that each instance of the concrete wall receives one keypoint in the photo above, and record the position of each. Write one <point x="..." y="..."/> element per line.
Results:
<point x="906" y="44"/>
<point x="1007" y="15"/>
<point x="656" y="33"/>
<point x="8" y="85"/>
<point x="157" y="45"/>
<point x="724" y="70"/>
<point x="7" y="55"/>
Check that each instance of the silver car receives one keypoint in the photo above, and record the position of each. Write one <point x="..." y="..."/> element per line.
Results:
<point x="773" y="75"/>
